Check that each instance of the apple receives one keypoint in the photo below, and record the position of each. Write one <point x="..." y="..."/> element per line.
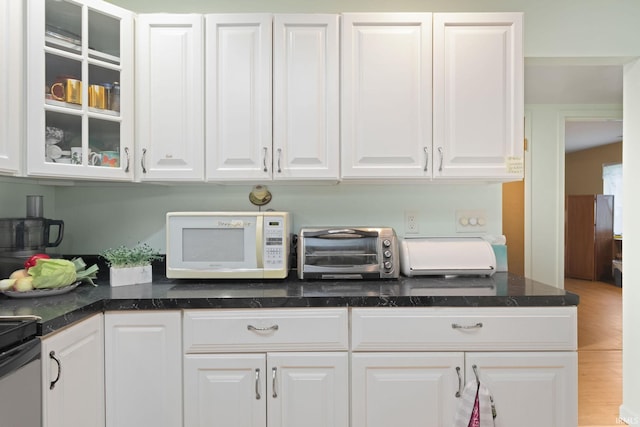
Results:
<point x="19" y="274"/>
<point x="6" y="284"/>
<point x="23" y="284"/>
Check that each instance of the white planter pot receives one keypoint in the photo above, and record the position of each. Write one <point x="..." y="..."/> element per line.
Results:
<point x="129" y="275"/>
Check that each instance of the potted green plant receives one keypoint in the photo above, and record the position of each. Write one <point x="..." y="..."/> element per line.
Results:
<point x="130" y="266"/>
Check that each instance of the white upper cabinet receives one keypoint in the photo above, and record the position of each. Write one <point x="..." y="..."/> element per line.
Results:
<point x="386" y="95"/>
<point x="79" y="90"/>
<point x="238" y="96"/>
<point x="478" y="125"/>
<point x="263" y="124"/>
<point x="170" y="97"/>
<point x="11" y="86"/>
<point x="306" y="97"/>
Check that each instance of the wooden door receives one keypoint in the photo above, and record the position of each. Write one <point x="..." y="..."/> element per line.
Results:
<point x="588" y="236"/>
<point x="603" y="237"/>
<point x="580" y="236"/>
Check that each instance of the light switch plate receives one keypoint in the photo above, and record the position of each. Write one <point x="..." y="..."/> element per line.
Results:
<point x="471" y="221"/>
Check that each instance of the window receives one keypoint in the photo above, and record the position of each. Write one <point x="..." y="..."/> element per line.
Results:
<point x="612" y="179"/>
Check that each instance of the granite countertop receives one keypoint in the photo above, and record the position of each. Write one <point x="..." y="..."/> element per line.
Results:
<point x="499" y="290"/>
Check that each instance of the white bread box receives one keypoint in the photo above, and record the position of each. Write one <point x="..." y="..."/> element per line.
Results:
<point x="425" y="256"/>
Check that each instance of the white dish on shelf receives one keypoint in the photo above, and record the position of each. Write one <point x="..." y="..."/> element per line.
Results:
<point x="104" y="111"/>
<point x="59" y="43"/>
<point x="55" y="152"/>
<point x="57" y="103"/>
<point x="104" y="56"/>
<point x="37" y="293"/>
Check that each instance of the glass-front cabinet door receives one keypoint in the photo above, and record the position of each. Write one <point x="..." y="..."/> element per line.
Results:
<point x="80" y="90"/>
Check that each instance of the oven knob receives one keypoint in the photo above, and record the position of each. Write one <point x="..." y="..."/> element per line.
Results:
<point x="387" y="254"/>
<point x="388" y="265"/>
<point x="386" y="243"/>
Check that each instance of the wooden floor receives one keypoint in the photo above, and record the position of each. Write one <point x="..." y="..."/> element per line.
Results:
<point x="599" y="352"/>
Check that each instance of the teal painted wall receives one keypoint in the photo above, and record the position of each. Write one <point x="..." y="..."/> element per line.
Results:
<point x="105" y="215"/>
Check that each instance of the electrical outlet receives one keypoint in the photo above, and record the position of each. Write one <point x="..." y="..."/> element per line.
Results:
<point x="411" y="222"/>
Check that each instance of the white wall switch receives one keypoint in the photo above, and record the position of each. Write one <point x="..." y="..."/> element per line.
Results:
<point x="471" y="221"/>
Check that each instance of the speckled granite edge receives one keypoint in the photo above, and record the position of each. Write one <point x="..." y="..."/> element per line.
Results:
<point x="499" y="290"/>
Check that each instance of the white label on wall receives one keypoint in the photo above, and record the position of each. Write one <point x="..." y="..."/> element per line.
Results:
<point x="515" y="165"/>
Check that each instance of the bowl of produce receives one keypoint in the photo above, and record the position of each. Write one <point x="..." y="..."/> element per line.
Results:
<point x="45" y="276"/>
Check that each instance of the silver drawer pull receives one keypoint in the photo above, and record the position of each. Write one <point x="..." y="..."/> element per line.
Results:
<point x="476" y="326"/>
<point x="257" y="384"/>
<point x="274" y="374"/>
<point x="459" y="392"/>
<point x="268" y="328"/>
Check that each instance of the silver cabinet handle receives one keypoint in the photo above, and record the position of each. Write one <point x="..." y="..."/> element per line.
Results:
<point x="426" y="159"/>
<point x="441" y="151"/>
<point x="144" y="155"/>
<point x="258" y="384"/>
<point x="459" y="392"/>
<point x="279" y="158"/>
<point x="258" y="329"/>
<point x="126" y="151"/>
<point x="274" y="374"/>
<point x="264" y="159"/>
<point x="475" y="372"/>
<point x="52" y="355"/>
<point x="476" y="326"/>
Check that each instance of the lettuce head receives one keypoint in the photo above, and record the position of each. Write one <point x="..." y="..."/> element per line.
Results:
<point x="53" y="273"/>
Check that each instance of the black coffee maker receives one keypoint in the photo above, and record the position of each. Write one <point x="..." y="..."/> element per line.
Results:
<point x="20" y="238"/>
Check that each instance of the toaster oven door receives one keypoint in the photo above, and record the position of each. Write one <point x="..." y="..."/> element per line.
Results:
<point x="348" y="253"/>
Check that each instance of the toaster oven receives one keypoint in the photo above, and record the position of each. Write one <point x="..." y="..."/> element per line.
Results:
<point x="348" y="253"/>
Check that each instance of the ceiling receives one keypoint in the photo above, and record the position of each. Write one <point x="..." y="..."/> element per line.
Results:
<point x="551" y="82"/>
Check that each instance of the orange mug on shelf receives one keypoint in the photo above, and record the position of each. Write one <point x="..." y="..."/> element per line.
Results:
<point x="67" y="90"/>
<point x="97" y="97"/>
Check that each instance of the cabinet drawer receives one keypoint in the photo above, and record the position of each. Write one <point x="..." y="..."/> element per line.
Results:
<point x="265" y="330"/>
<point x="433" y="328"/>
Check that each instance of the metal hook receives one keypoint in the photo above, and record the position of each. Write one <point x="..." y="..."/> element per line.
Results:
<point x="475" y="372"/>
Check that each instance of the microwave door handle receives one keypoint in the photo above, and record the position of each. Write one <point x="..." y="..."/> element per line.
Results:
<point x="329" y="234"/>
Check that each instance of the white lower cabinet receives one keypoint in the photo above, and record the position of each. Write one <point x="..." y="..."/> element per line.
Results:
<point x="143" y="368"/>
<point x="405" y="389"/>
<point x="530" y="389"/>
<point x="73" y="375"/>
<point x="272" y="389"/>
<point x="293" y="369"/>
<point x="526" y="356"/>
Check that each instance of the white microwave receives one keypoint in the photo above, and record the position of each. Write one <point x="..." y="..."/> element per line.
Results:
<point x="228" y="245"/>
